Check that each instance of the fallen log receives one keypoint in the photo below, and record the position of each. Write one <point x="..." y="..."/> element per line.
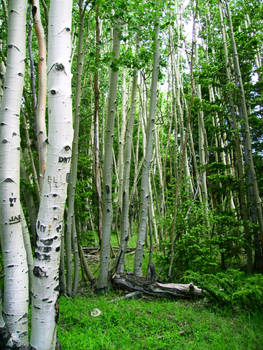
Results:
<point x="155" y="289"/>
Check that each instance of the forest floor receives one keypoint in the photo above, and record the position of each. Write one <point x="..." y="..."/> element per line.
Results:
<point x="155" y="324"/>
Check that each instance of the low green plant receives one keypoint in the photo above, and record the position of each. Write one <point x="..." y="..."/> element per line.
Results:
<point x="231" y="288"/>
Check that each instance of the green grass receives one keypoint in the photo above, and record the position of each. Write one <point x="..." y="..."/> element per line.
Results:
<point x="155" y="324"/>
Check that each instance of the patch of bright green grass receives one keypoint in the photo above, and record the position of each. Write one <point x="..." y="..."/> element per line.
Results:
<point x="155" y="324"/>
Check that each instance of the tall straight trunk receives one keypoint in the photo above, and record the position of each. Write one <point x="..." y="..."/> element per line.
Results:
<point x="126" y="177"/>
<point x="148" y="158"/>
<point x="42" y="91"/>
<point x="14" y="254"/>
<point x="202" y="153"/>
<point x="107" y="168"/>
<point x="183" y="159"/>
<point x="97" y="168"/>
<point x="75" y="146"/>
<point x="250" y="168"/>
<point x="50" y="216"/>
<point x="122" y="136"/>
<point x="237" y="146"/>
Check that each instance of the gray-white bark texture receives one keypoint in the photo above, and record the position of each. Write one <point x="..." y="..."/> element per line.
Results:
<point x="148" y="159"/>
<point x="124" y="225"/>
<point x="14" y="254"/>
<point x="53" y="196"/>
<point x="107" y="168"/>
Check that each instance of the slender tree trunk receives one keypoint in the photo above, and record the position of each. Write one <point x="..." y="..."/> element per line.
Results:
<point x="126" y="177"/>
<point x="75" y="146"/>
<point x="122" y="137"/>
<point x="107" y="168"/>
<point x="250" y="168"/>
<point x="42" y="91"/>
<point x="148" y="158"/>
<point x="50" y="217"/>
<point x="237" y="144"/>
<point x="97" y="168"/>
<point x="174" y="237"/>
<point x="14" y="254"/>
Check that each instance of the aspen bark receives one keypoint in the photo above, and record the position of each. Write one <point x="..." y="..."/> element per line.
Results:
<point x="97" y="168"/>
<point x="50" y="216"/>
<point x="237" y="144"/>
<point x="107" y="168"/>
<point x="126" y="177"/>
<point x="14" y="254"/>
<point x="122" y="137"/>
<point x="148" y="159"/>
<point x="74" y="162"/>
<point x="250" y="168"/>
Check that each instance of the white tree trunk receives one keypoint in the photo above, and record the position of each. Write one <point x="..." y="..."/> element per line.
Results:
<point x="14" y="254"/>
<point x="50" y="217"/>
<point x="107" y="170"/>
<point x="148" y="159"/>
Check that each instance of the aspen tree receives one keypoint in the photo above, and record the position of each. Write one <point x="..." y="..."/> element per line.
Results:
<point x="237" y="144"/>
<point x="53" y="196"/>
<point x="250" y="168"/>
<point x="14" y="254"/>
<point x="74" y="164"/>
<point x="97" y="167"/>
<point x="126" y="177"/>
<point x="148" y="157"/>
<point x="107" y="167"/>
<point x="122" y="136"/>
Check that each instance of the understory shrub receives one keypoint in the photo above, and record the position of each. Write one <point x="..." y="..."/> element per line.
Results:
<point x="232" y="288"/>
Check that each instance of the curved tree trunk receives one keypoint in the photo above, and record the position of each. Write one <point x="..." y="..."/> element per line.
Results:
<point x="42" y="92"/>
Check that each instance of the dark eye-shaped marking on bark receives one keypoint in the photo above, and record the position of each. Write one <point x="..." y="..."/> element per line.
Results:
<point x="67" y="29"/>
<point x="38" y="272"/>
<point x="59" y="66"/>
<point x="53" y="92"/>
<point x="48" y="241"/>
<point x="10" y="46"/>
<point x="34" y="11"/>
<point x="20" y="74"/>
<point x="5" y="141"/>
<point x="42" y="256"/>
<point x="67" y="148"/>
<point x="45" y="249"/>
<point x="8" y="180"/>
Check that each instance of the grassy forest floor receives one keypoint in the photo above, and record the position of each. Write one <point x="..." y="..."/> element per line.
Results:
<point x="152" y="323"/>
<point x="155" y="324"/>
